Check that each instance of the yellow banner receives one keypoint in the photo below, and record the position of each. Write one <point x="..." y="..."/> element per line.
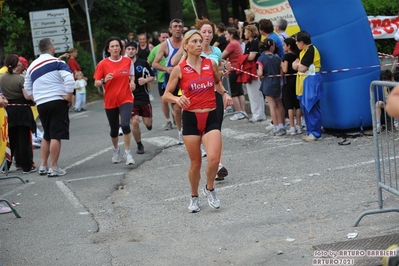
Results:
<point x="3" y="133"/>
<point x="274" y="9"/>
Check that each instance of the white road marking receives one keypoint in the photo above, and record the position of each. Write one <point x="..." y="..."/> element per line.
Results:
<point x="94" y="177"/>
<point x="69" y="195"/>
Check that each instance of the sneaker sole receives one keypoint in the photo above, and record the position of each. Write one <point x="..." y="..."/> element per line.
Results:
<point x="130" y="163"/>
<point x="194" y="211"/>
<point x="222" y="173"/>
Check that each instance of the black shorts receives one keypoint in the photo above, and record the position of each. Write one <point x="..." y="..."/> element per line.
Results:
<point x="290" y="100"/>
<point x="219" y="108"/>
<point x="235" y="87"/>
<point x="196" y="123"/>
<point x="55" y="119"/>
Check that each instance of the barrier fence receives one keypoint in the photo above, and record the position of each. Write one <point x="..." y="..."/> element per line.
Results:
<point x="386" y="146"/>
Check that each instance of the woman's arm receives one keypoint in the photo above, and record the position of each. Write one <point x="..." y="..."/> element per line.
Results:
<point x="168" y="96"/>
<point x="284" y="66"/>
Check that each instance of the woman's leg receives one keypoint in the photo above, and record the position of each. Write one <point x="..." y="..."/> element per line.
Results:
<point x="125" y="111"/>
<point x="213" y="145"/>
<point x="113" y="121"/>
<point x="272" y="107"/>
<point x="193" y="143"/>
<point x="256" y="100"/>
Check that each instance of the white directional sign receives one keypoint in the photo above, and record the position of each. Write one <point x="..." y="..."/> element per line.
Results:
<point x="52" y="24"/>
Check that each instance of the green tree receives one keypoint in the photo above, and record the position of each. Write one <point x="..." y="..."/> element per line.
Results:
<point x="11" y="27"/>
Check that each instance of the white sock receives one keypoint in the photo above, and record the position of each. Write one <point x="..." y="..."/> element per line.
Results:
<point x="127" y="151"/>
<point x="116" y="150"/>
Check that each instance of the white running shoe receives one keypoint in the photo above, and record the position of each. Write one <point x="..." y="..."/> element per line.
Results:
<point x="168" y="125"/>
<point x="270" y="127"/>
<point x="116" y="157"/>
<point x="120" y="131"/>
<point x="53" y="172"/>
<point x="213" y="200"/>
<point x="298" y="129"/>
<point x="194" y="205"/>
<point x="291" y="131"/>
<point x="129" y="159"/>
<point x="180" y="137"/>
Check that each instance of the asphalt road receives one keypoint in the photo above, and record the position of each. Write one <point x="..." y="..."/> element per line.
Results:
<point x="282" y="196"/>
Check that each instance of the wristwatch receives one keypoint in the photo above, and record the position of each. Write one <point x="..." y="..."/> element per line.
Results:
<point x="103" y="81"/>
<point x="226" y="92"/>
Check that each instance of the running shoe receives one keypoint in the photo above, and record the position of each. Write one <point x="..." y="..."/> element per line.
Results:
<point x="291" y="131"/>
<point x="310" y="138"/>
<point x="194" y="205"/>
<point x="280" y="132"/>
<point x="168" y="126"/>
<point x="53" y="172"/>
<point x="32" y="170"/>
<point x="213" y="200"/>
<point x="140" y="149"/>
<point x="120" y="131"/>
<point x="43" y="170"/>
<point x="221" y="174"/>
<point x="129" y="159"/>
<point x="237" y="116"/>
<point x="180" y="137"/>
<point x="116" y="157"/>
<point x="298" y="129"/>
<point x="270" y="127"/>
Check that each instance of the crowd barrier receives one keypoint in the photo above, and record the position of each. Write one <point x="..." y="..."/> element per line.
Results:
<point x="386" y="149"/>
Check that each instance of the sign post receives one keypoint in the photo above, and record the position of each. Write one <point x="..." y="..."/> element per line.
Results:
<point x="53" y="24"/>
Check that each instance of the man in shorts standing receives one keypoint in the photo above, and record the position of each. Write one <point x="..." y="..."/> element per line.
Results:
<point x="51" y="83"/>
<point x="141" y="106"/>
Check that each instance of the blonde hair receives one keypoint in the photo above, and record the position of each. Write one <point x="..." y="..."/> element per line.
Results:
<point x="253" y="30"/>
<point x="249" y="15"/>
<point x="187" y="37"/>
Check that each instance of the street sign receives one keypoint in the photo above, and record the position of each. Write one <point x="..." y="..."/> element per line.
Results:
<point x="52" y="24"/>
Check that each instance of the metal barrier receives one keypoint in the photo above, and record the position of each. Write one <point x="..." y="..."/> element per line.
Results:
<point x="386" y="145"/>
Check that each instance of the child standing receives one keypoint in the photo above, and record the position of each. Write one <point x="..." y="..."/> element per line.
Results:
<point x="289" y="88"/>
<point x="269" y="64"/>
<point x="80" y="86"/>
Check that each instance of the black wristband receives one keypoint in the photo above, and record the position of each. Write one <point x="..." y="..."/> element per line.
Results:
<point x="103" y="81"/>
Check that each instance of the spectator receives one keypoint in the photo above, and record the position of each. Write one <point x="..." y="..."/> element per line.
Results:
<point x="269" y="64"/>
<point x="309" y="85"/>
<point x="280" y="27"/>
<point x="290" y="102"/>
<point x="232" y="53"/>
<point x="385" y="75"/>
<point x="266" y="28"/>
<point x="80" y="88"/>
<point x="52" y="92"/>
<point x="251" y="55"/>
<point x="221" y="41"/>
<point x="20" y="116"/>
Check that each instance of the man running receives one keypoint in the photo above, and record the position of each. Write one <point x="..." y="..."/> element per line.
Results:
<point x="168" y="50"/>
<point x="141" y="106"/>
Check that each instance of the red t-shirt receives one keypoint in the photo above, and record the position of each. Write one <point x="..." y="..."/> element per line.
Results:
<point x="235" y="50"/>
<point x="198" y="87"/>
<point x="73" y="65"/>
<point x="117" y="90"/>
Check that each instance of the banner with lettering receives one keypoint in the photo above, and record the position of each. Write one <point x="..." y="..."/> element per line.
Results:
<point x="382" y="27"/>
